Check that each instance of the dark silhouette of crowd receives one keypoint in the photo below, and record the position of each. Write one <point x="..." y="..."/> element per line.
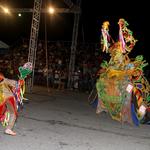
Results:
<point x="53" y="67"/>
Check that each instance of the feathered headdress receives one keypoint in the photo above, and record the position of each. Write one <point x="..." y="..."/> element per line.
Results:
<point x="126" y="39"/>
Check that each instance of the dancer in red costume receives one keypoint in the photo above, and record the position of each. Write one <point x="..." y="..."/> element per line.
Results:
<point x="11" y="98"/>
<point x="8" y="107"/>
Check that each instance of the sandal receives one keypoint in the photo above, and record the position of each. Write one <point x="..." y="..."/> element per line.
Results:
<point x="10" y="132"/>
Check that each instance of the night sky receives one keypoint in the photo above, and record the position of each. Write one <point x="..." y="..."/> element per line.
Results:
<point x="59" y="26"/>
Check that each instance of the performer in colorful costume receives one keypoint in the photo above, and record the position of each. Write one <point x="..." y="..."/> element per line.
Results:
<point x="11" y="98"/>
<point x="122" y="89"/>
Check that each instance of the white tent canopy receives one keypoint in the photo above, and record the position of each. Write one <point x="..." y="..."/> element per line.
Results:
<point x="3" y="45"/>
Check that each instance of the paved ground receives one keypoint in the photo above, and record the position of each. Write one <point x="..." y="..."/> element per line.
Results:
<point x="65" y="121"/>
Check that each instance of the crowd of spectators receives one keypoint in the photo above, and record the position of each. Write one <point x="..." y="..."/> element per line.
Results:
<point x="52" y="65"/>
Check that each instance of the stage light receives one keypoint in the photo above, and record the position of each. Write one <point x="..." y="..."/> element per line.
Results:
<point x="6" y="10"/>
<point x="19" y="15"/>
<point x="51" y="10"/>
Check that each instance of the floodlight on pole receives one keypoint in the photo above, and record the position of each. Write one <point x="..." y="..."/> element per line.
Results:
<point x="5" y="10"/>
<point x="51" y="10"/>
<point x="19" y="15"/>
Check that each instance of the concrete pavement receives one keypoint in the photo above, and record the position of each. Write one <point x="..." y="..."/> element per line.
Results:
<point x="63" y="120"/>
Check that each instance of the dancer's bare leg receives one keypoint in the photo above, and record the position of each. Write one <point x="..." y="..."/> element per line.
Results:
<point x="12" y="119"/>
